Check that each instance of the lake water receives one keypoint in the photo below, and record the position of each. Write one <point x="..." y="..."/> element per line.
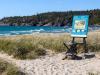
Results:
<point x="22" y="30"/>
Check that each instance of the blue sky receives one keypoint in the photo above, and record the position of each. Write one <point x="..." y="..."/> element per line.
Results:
<point x="31" y="7"/>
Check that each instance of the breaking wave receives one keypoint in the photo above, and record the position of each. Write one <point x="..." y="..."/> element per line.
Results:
<point x="24" y="30"/>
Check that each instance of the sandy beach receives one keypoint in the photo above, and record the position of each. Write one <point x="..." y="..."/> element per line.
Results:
<point x="54" y="65"/>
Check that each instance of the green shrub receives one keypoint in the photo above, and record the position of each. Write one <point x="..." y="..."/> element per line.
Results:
<point x="40" y="52"/>
<point x="9" y="69"/>
<point x="20" y="52"/>
<point x="36" y="53"/>
<point x="3" y="67"/>
<point x="14" y="71"/>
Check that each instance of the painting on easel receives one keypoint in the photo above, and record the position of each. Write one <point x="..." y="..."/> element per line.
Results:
<point x="80" y="26"/>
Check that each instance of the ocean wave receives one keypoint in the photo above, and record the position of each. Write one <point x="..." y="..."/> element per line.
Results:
<point x="25" y="31"/>
<point x="5" y="34"/>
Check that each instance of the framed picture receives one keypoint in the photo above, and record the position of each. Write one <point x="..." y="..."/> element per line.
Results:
<point x="80" y="26"/>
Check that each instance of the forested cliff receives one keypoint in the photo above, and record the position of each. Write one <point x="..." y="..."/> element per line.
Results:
<point x="51" y="18"/>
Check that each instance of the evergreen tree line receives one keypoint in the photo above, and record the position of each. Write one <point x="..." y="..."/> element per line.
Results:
<point x="52" y="18"/>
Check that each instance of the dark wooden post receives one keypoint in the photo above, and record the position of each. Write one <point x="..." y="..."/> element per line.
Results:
<point x="85" y="45"/>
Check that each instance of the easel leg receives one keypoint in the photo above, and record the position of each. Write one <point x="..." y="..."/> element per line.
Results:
<point x="85" y="45"/>
<point x="73" y="40"/>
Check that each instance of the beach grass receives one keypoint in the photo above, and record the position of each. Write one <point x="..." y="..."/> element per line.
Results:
<point x="33" y="46"/>
<point x="21" y="49"/>
<point x="9" y="69"/>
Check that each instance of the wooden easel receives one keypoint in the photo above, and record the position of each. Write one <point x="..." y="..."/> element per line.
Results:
<point x="79" y="30"/>
<point x="72" y="49"/>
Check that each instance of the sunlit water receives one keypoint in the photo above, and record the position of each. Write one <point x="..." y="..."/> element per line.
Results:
<point x="23" y="30"/>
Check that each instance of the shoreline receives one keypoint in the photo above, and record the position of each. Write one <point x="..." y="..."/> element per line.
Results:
<point x="18" y="31"/>
<point x="50" y="34"/>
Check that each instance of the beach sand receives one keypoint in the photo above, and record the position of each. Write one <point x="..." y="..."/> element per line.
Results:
<point x="54" y="65"/>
